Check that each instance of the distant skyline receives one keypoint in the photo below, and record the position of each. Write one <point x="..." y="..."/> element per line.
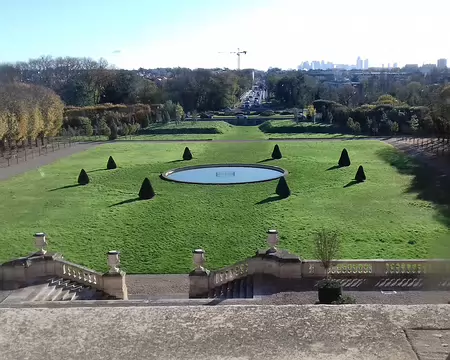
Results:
<point x="276" y="33"/>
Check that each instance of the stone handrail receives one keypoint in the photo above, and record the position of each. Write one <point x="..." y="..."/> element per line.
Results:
<point x="78" y="273"/>
<point x="229" y="273"/>
<point x="377" y="267"/>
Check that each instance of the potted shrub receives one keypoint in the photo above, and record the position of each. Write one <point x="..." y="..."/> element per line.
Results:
<point x="327" y="246"/>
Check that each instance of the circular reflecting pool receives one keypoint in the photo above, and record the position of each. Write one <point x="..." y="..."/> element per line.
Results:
<point x="224" y="174"/>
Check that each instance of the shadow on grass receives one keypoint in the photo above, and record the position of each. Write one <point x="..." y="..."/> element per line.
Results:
<point x="65" y="187"/>
<point x="265" y="160"/>
<point x="428" y="182"/>
<point x="269" y="200"/>
<point x="176" y="161"/>
<point x="334" y="167"/>
<point x="351" y="183"/>
<point x="129" y="201"/>
<point x="97" y="170"/>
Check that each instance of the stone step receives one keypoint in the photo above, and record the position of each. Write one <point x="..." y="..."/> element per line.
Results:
<point x="44" y="292"/>
<point x="22" y="294"/>
<point x="55" y="290"/>
<point x="236" y="289"/>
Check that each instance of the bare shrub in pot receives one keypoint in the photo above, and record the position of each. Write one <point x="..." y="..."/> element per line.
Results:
<point x="327" y="247"/>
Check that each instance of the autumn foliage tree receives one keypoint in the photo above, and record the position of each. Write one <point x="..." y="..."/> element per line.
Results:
<point x="28" y="112"/>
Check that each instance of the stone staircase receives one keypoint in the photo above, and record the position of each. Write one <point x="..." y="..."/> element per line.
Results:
<point x="55" y="289"/>
<point x="237" y="289"/>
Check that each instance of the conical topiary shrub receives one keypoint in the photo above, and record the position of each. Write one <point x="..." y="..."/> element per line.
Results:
<point x="111" y="164"/>
<point x="282" y="189"/>
<point x="344" y="160"/>
<point x="276" y="153"/>
<point x="146" y="192"/>
<point x="360" y="175"/>
<point x="83" y="178"/>
<point x="187" y="155"/>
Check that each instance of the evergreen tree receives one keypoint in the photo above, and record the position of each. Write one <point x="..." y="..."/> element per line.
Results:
<point x="146" y="192"/>
<point x="276" y="153"/>
<point x="187" y="155"/>
<point x="83" y="178"/>
<point x="282" y="189"/>
<point x="114" y="132"/>
<point x="344" y="160"/>
<point x="360" y="175"/>
<point x="111" y="164"/>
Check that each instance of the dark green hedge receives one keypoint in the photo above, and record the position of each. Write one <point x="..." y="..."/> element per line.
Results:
<point x="267" y="127"/>
<point x="170" y="131"/>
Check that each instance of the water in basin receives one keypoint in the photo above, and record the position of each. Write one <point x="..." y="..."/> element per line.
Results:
<point x="225" y="174"/>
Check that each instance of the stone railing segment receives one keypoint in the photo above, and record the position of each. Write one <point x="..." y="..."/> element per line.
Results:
<point x="228" y="274"/>
<point x="42" y="265"/>
<point x="377" y="267"/>
<point x="78" y="273"/>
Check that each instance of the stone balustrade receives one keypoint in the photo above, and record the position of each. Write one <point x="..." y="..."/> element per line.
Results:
<point x="78" y="273"/>
<point x="376" y="267"/>
<point x="42" y="265"/>
<point x="314" y="268"/>
<point x="284" y="265"/>
<point x="229" y="273"/>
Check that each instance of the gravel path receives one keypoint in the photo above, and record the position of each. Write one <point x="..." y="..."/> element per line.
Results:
<point x="156" y="286"/>
<point x="439" y="163"/>
<point x="30" y="164"/>
<point x="362" y="297"/>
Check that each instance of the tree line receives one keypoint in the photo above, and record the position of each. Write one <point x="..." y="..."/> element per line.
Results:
<point x="377" y="105"/>
<point x="114" y="120"/>
<point x="87" y="82"/>
<point x="28" y="113"/>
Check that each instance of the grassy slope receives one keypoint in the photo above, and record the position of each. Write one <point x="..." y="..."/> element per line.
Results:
<point x="222" y="126"/>
<point x="376" y="219"/>
<point x="302" y="130"/>
<point x="227" y="131"/>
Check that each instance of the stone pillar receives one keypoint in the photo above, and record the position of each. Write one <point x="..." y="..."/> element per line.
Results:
<point x="41" y="243"/>
<point x="114" y="280"/>
<point x="25" y="270"/>
<point x="199" y="277"/>
<point x="115" y="285"/>
<point x="378" y="268"/>
<point x="272" y="240"/>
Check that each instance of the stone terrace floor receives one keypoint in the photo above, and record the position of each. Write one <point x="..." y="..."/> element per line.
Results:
<point x="128" y="332"/>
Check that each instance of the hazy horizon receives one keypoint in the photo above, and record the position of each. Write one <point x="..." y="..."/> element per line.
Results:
<point x="174" y="33"/>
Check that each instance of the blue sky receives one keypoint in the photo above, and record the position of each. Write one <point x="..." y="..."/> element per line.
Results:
<point x="191" y="33"/>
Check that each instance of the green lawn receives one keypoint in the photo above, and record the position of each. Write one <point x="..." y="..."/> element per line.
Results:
<point x="381" y="218"/>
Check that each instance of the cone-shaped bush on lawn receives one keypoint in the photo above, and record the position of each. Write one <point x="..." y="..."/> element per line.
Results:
<point x="344" y="160"/>
<point x="111" y="164"/>
<point x="276" y="153"/>
<point x="187" y="154"/>
<point x="283" y="190"/>
<point x="360" y="175"/>
<point x="146" y="191"/>
<point x="83" y="178"/>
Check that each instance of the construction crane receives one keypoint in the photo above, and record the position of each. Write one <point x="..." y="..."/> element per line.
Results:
<point x="238" y="53"/>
